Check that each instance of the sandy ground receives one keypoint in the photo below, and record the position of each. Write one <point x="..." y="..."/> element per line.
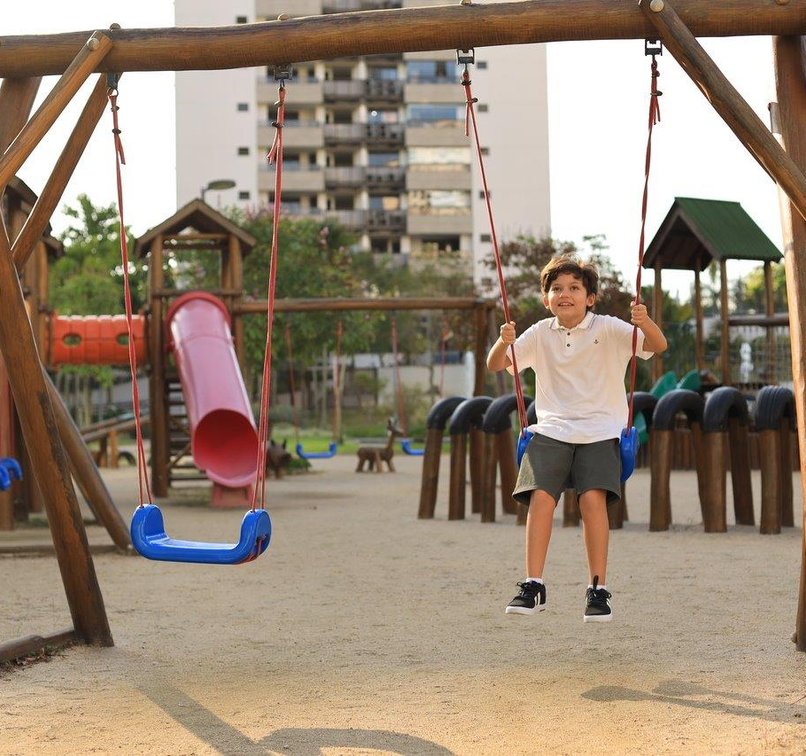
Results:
<point x="363" y="630"/>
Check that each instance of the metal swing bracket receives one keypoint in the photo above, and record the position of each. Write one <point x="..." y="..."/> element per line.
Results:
<point x="283" y="72"/>
<point x="466" y="57"/>
<point x="653" y="47"/>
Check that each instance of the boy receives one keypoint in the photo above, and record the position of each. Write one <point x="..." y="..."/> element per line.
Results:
<point x="579" y="359"/>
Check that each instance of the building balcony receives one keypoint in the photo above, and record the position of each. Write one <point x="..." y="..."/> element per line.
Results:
<point x="378" y="177"/>
<point x="386" y="221"/>
<point x="426" y="224"/>
<point x="296" y="134"/>
<point x="383" y="90"/>
<point x="442" y="134"/>
<point x="307" y="180"/>
<point x="354" y="220"/>
<point x="392" y="134"/>
<point x="344" y="133"/>
<point x="305" y="92"/>
<point x="351" y="90"/>
<point x="270" y="9"/>
<point x="346" y="6"/>
<point x="439" y="177"/>
<point x="348" y="177"/>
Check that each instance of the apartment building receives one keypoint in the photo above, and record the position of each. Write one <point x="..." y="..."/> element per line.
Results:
<point x="376" y="142"/>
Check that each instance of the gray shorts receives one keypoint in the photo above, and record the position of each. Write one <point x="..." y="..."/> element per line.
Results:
<point x="553" y="466"/>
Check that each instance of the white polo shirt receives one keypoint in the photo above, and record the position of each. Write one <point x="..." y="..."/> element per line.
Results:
<point x="580" y="395"/>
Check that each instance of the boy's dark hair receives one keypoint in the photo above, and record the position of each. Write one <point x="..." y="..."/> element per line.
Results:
<point x="585" y="272"/>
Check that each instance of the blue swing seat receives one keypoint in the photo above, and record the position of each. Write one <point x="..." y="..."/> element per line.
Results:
<point x="9" y="469"/>
<point x="331" y="452"/>
<point x="523" y="442"/>
<point x="405" y="444"/>
<point x="628" y="449"/>
<point x="150" y="540"/>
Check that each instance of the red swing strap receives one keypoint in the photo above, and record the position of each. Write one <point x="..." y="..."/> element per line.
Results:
<point x="275" y="156"/>
<point x="467" y="57"/>
<point x="144" y="489"/>
<point x="651" y="48"/>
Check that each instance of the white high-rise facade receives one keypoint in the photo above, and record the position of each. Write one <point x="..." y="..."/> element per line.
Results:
<point x="376" y="142"/>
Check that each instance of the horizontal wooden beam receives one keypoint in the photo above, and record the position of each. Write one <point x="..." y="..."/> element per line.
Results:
<point x="380" y="303"/>
<point x="399" y="30"/>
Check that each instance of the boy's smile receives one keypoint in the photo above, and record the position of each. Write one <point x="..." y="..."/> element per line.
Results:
<point x="568" y="300"/>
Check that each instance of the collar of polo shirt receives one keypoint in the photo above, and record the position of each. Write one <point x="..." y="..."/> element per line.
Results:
<point x="584" y="323"/>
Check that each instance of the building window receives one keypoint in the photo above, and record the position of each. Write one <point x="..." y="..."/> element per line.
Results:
<point x="432" y="71"/>
<point x="241" y="19"/>
<point x="482" y="107"/>
<point x="485" y="238"/>
<point x="243" y="107"/>
<point x="243" y="150"/>
<point x="481" y="64"/>
<point x="485" y="150"/>
<point x="434" y="156"/>
<point x="243" y="195"/>
<point x="481" y="194"/>
<point x="439" y="202"/>
<point x="384" y="159"/>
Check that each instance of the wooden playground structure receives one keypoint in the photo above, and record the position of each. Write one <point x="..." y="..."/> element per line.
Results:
<point x="53" y="445"/>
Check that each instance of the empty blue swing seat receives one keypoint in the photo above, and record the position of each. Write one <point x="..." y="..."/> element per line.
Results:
<point x="150" y="540"/>
<point x="523" y="442"/>
<point x="331" y="452"/>
<point x="9" y="470"/>
<point x="628" y="449"/>
<point x="405" y="444"/>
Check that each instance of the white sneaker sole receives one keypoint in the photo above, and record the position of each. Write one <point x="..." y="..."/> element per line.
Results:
<point x="524" y="610"/>
<point x="597" y="617"/>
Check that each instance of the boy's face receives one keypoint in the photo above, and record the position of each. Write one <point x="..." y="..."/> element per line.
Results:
<point x="568" y="300"/>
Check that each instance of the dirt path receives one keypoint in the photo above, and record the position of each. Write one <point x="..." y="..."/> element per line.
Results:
<point x="364" y="630"/>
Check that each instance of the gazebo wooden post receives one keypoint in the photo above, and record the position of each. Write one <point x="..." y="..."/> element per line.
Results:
<point x="234" y="266"/>
<point x="657" y="316"/>
<point x="769" y="298"/>
<point x="157" y="388"/>
<point x="724" y="331"/>
<point x="699" y="341"/>
<point x="791" y="107"/>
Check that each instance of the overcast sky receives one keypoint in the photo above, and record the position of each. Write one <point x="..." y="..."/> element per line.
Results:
<point x="598" y="104"/>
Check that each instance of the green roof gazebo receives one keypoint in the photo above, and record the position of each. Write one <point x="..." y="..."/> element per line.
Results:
<point x="695" y="233"/>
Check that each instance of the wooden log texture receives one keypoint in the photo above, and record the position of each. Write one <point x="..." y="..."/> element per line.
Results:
<point x="393" y="31"/>
<point x="785" y="474"/>
<point x="88" y="55"/>
<point x="430" y="474"/>
<point x="458" y="481"/>
<point x="713" y="496"/>
<point x="476" y="455"/>
<point x="333" y="304"/>
<point x="740" y="472"/>
<point x="33" y="644"/>
<point x="489" y="465"/>
<point x="738" y="116"/>
<point x="770" y="518"/>
<point x="791" y="107"/>
<point x="508" y="470"/>
<point x="660" y="499"/>
<point x="26" y="377"/>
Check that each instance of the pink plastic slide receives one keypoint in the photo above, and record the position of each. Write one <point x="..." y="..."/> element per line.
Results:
<point x="224" y="439"/>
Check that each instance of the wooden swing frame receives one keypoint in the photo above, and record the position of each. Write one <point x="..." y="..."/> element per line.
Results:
<point x="77" y="55"/>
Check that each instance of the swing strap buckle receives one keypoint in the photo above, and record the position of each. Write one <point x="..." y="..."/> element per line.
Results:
<point x="653" y="47"/>
<point x="283" y="72"/>
<point x="466" y="57"/>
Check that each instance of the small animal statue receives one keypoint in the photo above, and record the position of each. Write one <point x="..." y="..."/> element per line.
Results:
<point x="277" y="458"/>
<point x="376" y="455"/>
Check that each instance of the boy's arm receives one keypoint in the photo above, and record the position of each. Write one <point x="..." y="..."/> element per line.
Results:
<point x="654" y="340"/>
<point x="498" y="356"/>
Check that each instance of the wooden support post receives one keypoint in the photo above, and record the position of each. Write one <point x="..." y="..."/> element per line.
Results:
<point x="476" y="455"/>
<point x="724" y="331"/>
<point x="730" y="105"/>
<point x="90" y="55"/>
<point x="785" y="473"/>
<point x="480" y="349"/>
<point x="770" y="462"/>
<point x="68" y="160"/>
<point x="430" y="476"/>
<point x="769" y="302"/>
<point x="39" y="427"/>
<point x="739" y="445"/>
<point x="699" y="339"/>
<point x="656" y="365"/>
<point x="86" y="473"/>
<point x="16" y="102"/>
<point x="713" y="499"/>
<point x="507" y="466"/>
<point x="791" y="107"/>
<point x="160" y="453"/>
<point x="488" y="478"/>
<point x="458" y="481"/>
<point x="660" y="462"/>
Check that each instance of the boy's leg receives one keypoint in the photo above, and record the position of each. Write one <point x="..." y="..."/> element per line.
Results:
<point x="596" y="531"/>
<point x="539" y="522"/>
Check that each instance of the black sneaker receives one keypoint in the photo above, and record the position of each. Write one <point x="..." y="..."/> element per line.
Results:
<point x="597" y="604"/>
<point x="531" y="599"/>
